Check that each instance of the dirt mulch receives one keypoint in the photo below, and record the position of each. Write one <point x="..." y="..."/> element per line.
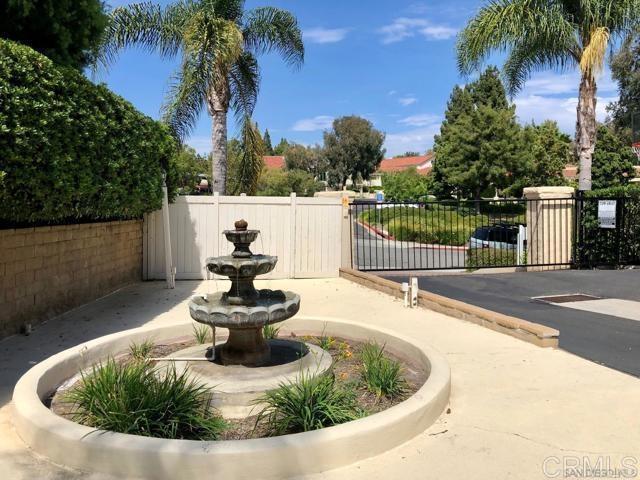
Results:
<point x="347" y="368"/>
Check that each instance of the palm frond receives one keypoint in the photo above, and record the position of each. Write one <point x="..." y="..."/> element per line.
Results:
<point x="244" y="82"/>
<point x="251" y="162"/>
<point x="593" y="55"/>
<point x="526" y="58"/>
<point x="145" y="25"/>
<point x="502" y="23"/>
<point x="187" y="96"/>
<point x="270" y="29"/>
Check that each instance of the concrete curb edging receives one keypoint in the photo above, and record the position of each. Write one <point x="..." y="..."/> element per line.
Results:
<point x="534" y="333"/>
<point x="81" y="447"/>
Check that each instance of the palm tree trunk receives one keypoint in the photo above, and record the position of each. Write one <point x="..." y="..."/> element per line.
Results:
<point x="586" y="129"/>
<point x="218" y="101"/>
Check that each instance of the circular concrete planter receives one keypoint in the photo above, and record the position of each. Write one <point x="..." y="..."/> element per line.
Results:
<point x="78" y="446"/>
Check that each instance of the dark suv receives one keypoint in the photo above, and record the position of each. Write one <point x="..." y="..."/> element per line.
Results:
<point x="501" y="236"/>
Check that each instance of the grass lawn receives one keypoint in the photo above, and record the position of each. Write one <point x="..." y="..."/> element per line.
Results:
<point x="440" y="224"/>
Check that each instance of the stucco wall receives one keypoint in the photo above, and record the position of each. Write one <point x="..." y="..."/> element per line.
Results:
<point x="46" y="271"/>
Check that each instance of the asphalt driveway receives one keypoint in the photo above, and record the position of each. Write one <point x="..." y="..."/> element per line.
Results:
<point x="605" y="339"/>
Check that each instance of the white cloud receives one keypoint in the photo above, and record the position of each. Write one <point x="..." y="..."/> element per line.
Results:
<point x="550" y="83"/>
<point x="408" y="100"/>
<point x="320" y="122"/>
<point x="539" y="108"/>
<point x="419" y="139"/>
<point x="421" y="120"/>
<point x="404" y="27"/>
<point x="392" y="93"/>
<point x="325" y="35"/>
<point x="554" y="96"/>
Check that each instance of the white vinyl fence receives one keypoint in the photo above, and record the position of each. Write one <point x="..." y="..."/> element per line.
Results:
<point x="304" y="233"/>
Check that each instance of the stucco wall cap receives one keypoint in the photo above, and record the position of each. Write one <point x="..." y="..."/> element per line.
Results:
<point x="532" y="193"/>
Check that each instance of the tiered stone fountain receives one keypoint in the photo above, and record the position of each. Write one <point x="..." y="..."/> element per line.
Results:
<point x="242" y="368"/>
<point x="243" y="309"/>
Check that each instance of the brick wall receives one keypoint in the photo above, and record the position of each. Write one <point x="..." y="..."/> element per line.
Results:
<point x="46" y="271"/>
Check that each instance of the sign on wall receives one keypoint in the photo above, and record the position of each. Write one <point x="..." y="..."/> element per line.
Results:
<point x="607" y="213"/>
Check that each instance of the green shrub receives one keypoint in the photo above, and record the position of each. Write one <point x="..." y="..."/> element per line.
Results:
<point x="381" y="374"/>
<point x="281" y="183"/>
<point x="311" y="403"/>
<point x="137" y="399"/>
<point x="404" y="186"/>
<point x="491" y="257"/>
<point x="601" y="246"/>
<point x="141" y="351"/>
<point x="72" y="150"/>
<point x="436" y="223"/>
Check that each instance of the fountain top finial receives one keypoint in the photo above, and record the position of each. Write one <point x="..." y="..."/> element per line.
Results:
<point x="241" y="225"/>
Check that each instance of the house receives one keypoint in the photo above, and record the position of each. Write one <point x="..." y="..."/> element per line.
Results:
<point x="423" y="165"/>
<point x="570" y="172"/>
<point x="274" y="162"/>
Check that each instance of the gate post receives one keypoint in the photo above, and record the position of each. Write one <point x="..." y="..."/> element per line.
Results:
<point x="550" y="224"/>
<point x="345" y="240"/>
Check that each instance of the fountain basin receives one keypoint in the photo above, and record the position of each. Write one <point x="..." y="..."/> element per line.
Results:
<point x="74" y="445"/>
<point x="271" y="307"/>
<point x="248" y="267"/>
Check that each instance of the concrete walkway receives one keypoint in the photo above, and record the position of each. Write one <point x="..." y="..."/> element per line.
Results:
<point x="513" y="405"/>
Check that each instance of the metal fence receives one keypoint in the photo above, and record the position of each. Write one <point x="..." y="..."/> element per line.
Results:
<point x="458" y="235"/>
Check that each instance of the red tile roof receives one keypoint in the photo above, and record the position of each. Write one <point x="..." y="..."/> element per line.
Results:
<point x="422" y="163"/>
<point x="570" y="172"/>
<point x="274" y="162"/>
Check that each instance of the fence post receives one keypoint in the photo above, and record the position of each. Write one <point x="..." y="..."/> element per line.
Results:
<point x="345" y="232"/>
<point x="293" y="232"/>
<point x="550" y="213"/>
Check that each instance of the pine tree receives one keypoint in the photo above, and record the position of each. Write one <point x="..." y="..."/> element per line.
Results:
<point x="479" y="143"/>
<point x="267" y="143"/>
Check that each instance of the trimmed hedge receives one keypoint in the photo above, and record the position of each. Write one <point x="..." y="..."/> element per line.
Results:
<point x="598" y="246"/>
<point x="71" y="150"/>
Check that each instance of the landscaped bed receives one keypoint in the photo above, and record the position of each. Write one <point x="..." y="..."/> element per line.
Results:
<point x="440" y="223"/>
<point x="350" y="390"/>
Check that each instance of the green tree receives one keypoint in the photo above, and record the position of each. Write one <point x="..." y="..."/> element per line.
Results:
<point x="66" y="31"/>
<point x="479" y="143"/>
<point x="281" y="183"/>
<point x="625" y="68"/>
<point x="282" y="147"/>
<point x="547" y="152"/>
<point x="404" y="186"/>
<point x="613" y="160"/>
<point x="352" y="146"/>
<point x="408" y="154"/>
<point x="562" y="34"/>
<point x="218" y="41"/>
<point x="308" y="159"/>
<point x="267" y="143"/>
<point x="190" y="164"/>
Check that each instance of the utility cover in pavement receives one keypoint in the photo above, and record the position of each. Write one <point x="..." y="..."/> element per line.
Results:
<point x="574" y="297"/>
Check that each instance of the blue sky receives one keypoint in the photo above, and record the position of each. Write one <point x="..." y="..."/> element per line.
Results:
<point x="391" y="61"/>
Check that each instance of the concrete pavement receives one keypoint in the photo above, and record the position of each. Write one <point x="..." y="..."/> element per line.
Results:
<point x="597" y="334"/>
<point x="515" y="408"/>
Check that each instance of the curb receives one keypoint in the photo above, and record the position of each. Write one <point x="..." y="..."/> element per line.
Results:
<point x="289" y="456"/>
<point x="530" y="332"/>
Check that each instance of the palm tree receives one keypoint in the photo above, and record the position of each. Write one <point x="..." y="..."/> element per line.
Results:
<point x="218" y="42"/>
<point x="560" y="34"/>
